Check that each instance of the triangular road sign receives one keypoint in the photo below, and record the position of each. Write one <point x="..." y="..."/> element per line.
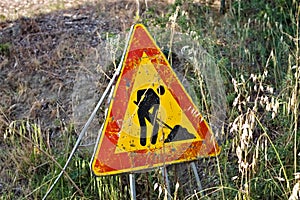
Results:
<point x="151" y="120"/>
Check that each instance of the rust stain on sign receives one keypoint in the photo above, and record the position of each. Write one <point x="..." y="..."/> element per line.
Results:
<point x="151" y="120"/>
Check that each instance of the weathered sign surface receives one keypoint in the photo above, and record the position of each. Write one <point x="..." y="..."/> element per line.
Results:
<point x="151" y="120"/>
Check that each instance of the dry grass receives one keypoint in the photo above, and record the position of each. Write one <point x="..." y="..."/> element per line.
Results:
<point x="53" y="71"/>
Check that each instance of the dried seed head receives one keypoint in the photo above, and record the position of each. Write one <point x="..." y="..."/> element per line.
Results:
<point x="253" y="77"/>
<point x="270" y="89"/>
<point x="296" y="192"/>
<point x="236" y="100"/>
<point x="235" y="85"/>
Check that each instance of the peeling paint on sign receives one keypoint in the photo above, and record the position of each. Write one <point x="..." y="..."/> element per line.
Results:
<point x="151" y="121"/>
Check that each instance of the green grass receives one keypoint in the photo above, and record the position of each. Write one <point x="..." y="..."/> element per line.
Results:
<point x="255" y="46"/>
<point x="4" y="49"/>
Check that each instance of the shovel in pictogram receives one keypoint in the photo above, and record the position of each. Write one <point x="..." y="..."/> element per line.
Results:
<point x="178" y="133"/>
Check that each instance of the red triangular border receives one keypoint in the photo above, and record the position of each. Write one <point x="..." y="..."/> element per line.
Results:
<point x="106" y="161"/>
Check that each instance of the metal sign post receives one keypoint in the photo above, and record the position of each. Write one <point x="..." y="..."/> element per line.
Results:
<point x="166" y="180"/>
<point x="132" y="186"/>
<point x="193" y="165"/>
<point x="92" y="116"/>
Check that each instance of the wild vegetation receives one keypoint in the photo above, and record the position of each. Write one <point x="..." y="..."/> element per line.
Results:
<point x="46" y="58"/>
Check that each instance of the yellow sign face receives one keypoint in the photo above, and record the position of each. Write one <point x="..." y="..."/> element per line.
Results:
<point x="168" y="115"/>
<point x="151" y="120"/>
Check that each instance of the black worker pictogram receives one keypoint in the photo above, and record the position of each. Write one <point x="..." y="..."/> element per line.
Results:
<point x="148" y="99"/>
